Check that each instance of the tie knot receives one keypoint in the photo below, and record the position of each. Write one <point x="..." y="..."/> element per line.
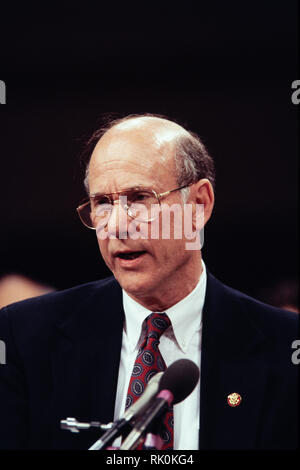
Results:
<point x="156" y="324"/>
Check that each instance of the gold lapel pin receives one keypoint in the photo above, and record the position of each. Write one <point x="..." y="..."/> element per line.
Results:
<point x="234" y="399"/>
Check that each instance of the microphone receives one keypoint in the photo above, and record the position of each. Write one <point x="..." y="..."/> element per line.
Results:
<point x="176" y="384"/>
<point x="133" y="411"/>
<point x="151" y="390"/>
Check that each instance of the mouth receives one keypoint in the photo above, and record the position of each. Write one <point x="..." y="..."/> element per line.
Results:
<point x="129" y="255"/>
<point x="130" y="259"/>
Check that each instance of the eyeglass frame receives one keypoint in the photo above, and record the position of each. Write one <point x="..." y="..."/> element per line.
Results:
<point x="158" y="196"/>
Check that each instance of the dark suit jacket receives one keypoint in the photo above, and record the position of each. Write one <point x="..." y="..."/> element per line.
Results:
<point x="63" y="352"/>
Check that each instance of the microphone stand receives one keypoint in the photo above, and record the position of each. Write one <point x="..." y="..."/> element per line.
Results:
<point x="153" y="441"/>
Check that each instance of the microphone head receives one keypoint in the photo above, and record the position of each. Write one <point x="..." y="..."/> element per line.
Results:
<point x="180" y="378"/>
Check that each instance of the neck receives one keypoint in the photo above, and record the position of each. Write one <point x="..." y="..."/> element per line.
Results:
<point x="167" y="296"/>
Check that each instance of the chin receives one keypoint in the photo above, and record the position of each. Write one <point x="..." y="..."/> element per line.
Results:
<point x="135" y="283"/>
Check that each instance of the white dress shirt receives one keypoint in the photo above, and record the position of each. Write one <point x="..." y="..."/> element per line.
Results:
<point x="182" y="340"/>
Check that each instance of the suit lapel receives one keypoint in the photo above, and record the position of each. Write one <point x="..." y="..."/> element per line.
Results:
<point x="232" y="360"/>
<point x="85" y="361"/>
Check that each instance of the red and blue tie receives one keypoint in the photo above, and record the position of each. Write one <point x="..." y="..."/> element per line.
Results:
<point x="149" y="362"/>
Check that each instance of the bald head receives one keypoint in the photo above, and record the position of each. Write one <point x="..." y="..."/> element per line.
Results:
<point x="162" y="130"/>
<point x="155" y="137"/>
<point x="165" y="140"/>
<point x="136" y="150"/>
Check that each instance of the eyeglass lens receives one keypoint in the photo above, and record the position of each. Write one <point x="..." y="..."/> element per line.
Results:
<point x="140" y="205"/>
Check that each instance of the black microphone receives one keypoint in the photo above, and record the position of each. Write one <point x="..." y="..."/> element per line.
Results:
<point x="176" y="384"/>
<point x="121" y="425"/>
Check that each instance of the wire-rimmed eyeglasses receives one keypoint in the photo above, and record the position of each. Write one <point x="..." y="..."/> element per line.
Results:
<point x="140" y="204"/>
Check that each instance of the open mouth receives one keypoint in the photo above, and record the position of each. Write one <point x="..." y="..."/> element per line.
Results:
<point x="130" y="255"/>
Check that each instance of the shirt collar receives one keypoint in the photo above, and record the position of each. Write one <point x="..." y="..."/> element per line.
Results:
<point x="185" y="316"/>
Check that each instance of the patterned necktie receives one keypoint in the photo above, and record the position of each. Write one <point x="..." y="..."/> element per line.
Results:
<point x="148" y="362"/>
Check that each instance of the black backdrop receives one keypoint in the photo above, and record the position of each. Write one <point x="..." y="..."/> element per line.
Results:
<point x="224" y="71"/>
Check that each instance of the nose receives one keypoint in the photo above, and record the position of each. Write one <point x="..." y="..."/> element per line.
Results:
<point x="117" y="225"/>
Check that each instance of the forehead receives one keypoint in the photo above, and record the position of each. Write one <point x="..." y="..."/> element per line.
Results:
<point x="131" y="157"/>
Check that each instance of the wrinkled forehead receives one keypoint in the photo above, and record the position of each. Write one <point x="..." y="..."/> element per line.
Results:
<point x="134" y="151"/>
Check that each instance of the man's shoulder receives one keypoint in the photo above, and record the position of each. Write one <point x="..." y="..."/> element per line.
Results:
<point x="49" y="308"/>
<point x="274" y="322"/>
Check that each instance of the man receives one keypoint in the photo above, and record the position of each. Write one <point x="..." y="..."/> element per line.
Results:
<point x="72" y="353"/>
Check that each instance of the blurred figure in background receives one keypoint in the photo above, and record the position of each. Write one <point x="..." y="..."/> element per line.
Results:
<point x="282" y="294"/>
<point x="15" y="287"/>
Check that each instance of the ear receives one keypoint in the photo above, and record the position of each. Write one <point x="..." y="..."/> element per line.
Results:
<point x="202" y="197"/>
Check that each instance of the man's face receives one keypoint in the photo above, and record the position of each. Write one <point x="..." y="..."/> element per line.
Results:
<point x="126" y="159"/>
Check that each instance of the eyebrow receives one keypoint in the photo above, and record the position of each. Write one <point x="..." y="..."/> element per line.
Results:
<point x="138" y="186"/>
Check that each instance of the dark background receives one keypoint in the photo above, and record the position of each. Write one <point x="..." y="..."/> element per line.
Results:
<point x="224" y="71"/>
